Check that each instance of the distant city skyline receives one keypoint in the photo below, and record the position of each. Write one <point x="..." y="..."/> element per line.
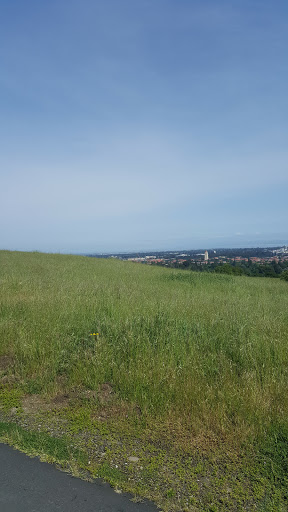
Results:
<point x="175" y="249"/>
<point x="145" y="125"/>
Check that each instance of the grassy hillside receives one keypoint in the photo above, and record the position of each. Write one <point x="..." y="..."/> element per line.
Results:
<point x="200" y="356"/>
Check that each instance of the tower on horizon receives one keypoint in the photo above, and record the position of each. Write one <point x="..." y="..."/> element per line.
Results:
<point x="206" y="257"/>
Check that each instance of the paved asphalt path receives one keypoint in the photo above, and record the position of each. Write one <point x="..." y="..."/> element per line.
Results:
<point x="28" y="485"/>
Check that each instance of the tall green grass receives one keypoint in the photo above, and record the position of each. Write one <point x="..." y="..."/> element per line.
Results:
<point x="208" y="349"/>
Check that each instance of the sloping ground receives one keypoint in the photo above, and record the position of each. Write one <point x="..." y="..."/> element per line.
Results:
<point x="168" y="384"/>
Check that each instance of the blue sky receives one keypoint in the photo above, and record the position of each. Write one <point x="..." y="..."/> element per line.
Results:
<point x="143" y="124"/>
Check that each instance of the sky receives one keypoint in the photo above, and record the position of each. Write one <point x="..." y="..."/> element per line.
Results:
<point x="143" y="124"/>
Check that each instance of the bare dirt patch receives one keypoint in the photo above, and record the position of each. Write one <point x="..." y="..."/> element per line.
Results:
<point x="6" y="362"/>
<point x="61" y="400"/>
<point x="36" y="403"/>
<point x="8" y="380"/>
<point x="105" y="393"/>
<point x="114" y="410"/>
<point x="110" y="412"/>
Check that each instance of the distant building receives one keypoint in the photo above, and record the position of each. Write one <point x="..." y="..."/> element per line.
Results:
<point x="206" y="257"/>
<point x="282" y="250"/>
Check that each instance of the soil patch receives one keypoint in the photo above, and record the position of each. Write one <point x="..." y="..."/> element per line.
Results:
<point x="6" y="362"/>
<point x="36" y="403"/>
<point x="60" y="400"/>
<point x="105" y="393"/>
<point x="8" y="380"/>
<point x="110" y="412"/>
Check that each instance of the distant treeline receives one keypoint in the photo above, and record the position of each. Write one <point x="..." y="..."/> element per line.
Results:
<point x="247" y="268"/>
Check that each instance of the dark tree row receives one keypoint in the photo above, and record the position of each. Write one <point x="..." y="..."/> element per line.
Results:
<point x="247" y="268"/>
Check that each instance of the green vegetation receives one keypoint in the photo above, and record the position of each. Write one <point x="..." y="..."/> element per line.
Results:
<point x="284" y="275"/>
<point x="193" y="365"/>
<point x="245" y="268"/>
<point x="49" y="448"/>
